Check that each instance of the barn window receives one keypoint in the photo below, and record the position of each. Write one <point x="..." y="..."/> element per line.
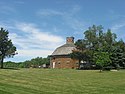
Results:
<point x="59" y="62"/>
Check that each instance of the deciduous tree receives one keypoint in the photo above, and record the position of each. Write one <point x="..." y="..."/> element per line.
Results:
<point x="7" y="49"/>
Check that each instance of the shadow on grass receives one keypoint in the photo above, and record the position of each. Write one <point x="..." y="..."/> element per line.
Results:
<point x="11" y="68"/>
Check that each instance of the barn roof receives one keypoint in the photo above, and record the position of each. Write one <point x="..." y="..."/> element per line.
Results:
<point x="64" y="49"/>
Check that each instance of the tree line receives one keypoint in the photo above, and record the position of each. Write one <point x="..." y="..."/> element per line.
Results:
<point x="101" y="48"/>
<point x="37" y="62"/>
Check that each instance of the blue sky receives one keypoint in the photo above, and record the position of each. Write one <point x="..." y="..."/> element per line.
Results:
<point x="37" y="27"/>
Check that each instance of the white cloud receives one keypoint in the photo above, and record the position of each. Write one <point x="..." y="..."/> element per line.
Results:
<point x="6" y="25"/>
<point x="35" y="33"/>
<point x="68" y="17"/>
<point x="34" y="52"/>
<point x="19" y="2"/>
<point x="119" y="30"/>
<point x="49" y="12"/>
<point x="74" y="23"/>
<point x="32" y="37"/>
<point x="7" y="9"/>
<point x="32" y="41"/>
<point x="29" y="54"/>
<point x="116" y="27"/>
<point x="75" y="9"/>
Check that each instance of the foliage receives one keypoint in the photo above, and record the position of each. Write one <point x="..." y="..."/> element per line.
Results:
<point x="94" y="39"/>
<point x="118" y="54"/>
<point x="10" y="64"/>
<point x="102" y="59"/>
<point x="80" y="52"/>
<point x="35" y="63"/>
<point x="7" y="49"/>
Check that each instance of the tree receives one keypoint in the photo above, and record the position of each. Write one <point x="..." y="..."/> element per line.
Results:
<point x="102" y="59"/>
<point x="34" y="62"/>
<point x="80" y="53"/>
<point x="103" y="45"/>
<point x="10" y="64"/>
<point x="94" y="38"/>
<point x="7" y="49"/>
<point x="118" y="54"/>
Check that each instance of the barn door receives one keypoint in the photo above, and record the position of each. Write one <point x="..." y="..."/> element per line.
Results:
<point x="54" y="64"/>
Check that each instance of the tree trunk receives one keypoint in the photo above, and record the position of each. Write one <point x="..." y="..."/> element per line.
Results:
<point x="79" y="64"/>
<point x="2" y="62"/>
<point x="101" y="69"/>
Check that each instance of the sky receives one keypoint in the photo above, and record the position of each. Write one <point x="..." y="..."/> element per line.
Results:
<point x="38" y="27"/>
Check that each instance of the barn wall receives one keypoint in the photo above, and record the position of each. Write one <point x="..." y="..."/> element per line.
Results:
<point x="64" y="62"/>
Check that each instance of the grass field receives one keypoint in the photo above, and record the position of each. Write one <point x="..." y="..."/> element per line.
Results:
<point x="58" y="81"/>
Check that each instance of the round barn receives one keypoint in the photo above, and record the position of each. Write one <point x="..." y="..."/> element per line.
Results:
<point x="60" y="58"/>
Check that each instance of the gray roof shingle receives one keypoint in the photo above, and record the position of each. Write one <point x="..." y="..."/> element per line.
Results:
<point x="64" y="49"/>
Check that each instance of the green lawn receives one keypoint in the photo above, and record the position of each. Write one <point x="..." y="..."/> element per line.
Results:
<point x="58" y="81"/>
